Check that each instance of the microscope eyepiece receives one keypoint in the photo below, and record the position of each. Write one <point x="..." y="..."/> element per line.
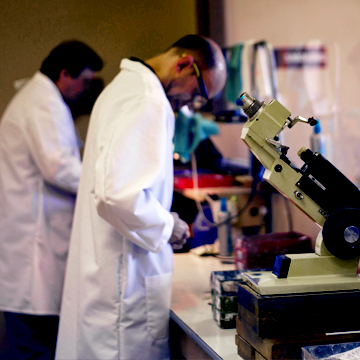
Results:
<point x="249" y="104"/>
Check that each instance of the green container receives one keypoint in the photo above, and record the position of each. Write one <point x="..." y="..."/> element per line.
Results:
<point x="225" y="303"/>
<point x="224" y="320"/>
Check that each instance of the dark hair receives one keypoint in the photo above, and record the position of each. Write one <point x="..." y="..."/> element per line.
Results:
<point x="73" y="56"/>
<point x="199" y="46"/>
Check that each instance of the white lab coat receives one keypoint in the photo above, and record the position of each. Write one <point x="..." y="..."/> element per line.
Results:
<point x="117" y="291"/>
<point x="39" y="174"/>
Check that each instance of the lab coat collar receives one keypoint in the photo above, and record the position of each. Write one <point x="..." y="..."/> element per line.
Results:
<point x="139" y="67"/>
<point x="143" y="62"/>
<point x="46" y="80"/>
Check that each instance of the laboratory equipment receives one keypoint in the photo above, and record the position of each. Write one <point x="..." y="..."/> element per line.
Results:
<point x="321" y="191"/>
<point x="224" y="287"/>
<point x="318" y="140"/>
<point x="224" y="231"/>
<point x="311" y="298"/>
<point x="259" y="251"/>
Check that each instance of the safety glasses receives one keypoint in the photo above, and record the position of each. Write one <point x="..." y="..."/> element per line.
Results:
<point x="201" y="99"/>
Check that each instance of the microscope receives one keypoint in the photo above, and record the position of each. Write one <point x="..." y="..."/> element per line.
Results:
<point x="321" y="191"/>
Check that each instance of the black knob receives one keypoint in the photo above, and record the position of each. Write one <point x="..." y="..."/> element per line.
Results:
<point x="312" y="121"/>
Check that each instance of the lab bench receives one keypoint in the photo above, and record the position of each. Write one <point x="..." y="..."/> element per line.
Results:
<point x="194" y="334"/>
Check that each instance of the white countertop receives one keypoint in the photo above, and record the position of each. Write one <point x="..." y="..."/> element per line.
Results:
<point x="191" y="298"/>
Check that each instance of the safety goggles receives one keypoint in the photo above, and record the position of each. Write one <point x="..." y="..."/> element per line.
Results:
<point x="201" y="99"/>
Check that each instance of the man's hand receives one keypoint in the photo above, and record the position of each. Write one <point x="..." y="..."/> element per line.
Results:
<point x="180" y="232"/>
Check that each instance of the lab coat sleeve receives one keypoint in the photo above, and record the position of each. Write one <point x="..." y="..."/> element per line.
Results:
<point x="51" y="136"/>
<point x="130" y="166"/>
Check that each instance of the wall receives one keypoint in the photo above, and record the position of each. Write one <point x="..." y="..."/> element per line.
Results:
<point x="290" y="23"/>
<point x="294" y="22"/>
<point x="115" y="29"/>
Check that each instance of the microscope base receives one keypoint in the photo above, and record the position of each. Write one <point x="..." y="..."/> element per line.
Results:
<point x="267" y="283"/>
<point x="305" y="273"/>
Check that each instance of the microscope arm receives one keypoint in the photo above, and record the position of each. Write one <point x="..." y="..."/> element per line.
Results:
<point x="320" y="190"/>
<point x="260" y="133"/>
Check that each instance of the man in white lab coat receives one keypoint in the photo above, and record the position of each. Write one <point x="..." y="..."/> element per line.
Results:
<point x="117" y="293"/>
<point x="39" y="175"/>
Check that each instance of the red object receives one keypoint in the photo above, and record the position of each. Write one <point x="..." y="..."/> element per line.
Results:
<point x="259" y="251"/>
<point x="204" y="180"/>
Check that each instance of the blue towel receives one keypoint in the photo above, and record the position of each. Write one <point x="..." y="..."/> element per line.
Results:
<point x="233" y="86"/>
<point x="190" y="132"/>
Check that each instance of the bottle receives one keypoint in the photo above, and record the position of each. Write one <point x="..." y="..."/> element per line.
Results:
<point x="317" y="140"/>
<point x="224" y="230"/>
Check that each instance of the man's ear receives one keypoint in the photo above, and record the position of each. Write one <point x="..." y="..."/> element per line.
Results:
<point x="63" y="81"/>
<point x="184" y="62"/>
<point x="64" y="74"/>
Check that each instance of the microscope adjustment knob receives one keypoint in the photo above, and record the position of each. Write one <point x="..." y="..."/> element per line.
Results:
<point x="341" y="233"/>
<point x="298" y="195"/>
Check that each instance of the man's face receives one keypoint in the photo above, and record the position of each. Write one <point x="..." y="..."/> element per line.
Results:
<point x="195" y="87"/>
<point x="184" y="97"/>
<point x="188" y="89"/>
<point x="73" y="87"/>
